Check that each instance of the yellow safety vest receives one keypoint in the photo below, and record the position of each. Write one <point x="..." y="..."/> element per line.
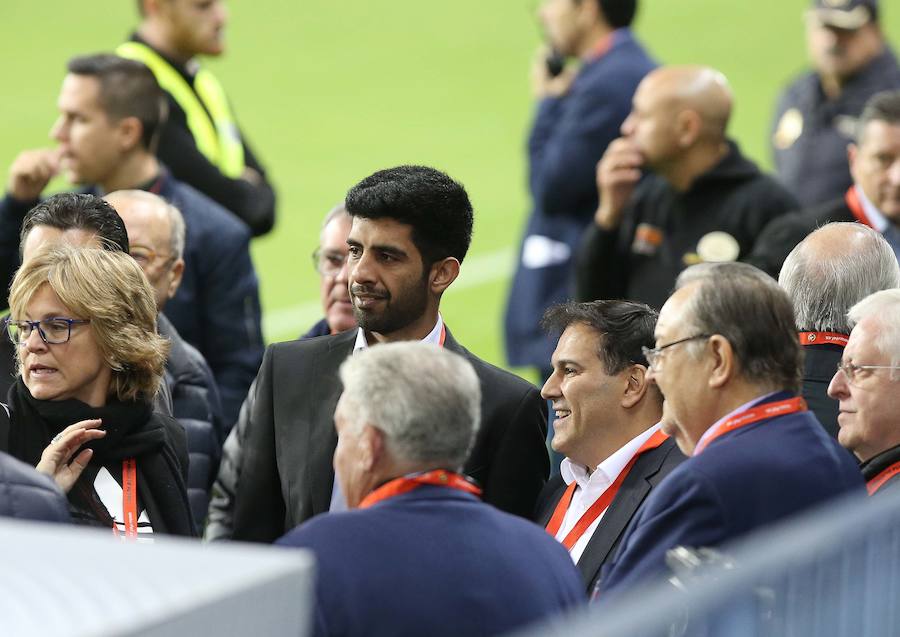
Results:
<point x="217" y="138"/>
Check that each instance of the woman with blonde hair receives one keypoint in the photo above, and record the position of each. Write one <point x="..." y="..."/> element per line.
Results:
<point x="81" y="409"/>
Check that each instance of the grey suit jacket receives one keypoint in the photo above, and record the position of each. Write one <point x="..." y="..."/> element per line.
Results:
<point x="287" y="476"/>
<point x="649" y="469"/>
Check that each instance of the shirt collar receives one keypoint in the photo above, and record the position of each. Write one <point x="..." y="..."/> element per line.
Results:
<point x="609" y="469"/>
<point x="709" y="432"/>
<point x="873" y="214"/>
<point x="434" y="336"/>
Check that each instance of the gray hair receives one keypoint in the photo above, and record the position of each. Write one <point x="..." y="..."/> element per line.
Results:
<point x="885" y="307"/>
<point x="754" y="314"/>
<point x="177" y="230"/>
<point x="425" y="399"/>
<point x="833" y="268"/>
<point x="333" y="214"/>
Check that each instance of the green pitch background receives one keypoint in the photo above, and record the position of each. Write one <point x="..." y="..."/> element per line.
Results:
<point x="328" y="92"/>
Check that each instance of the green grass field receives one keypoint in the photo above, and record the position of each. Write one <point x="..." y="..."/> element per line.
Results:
<point x="328" y="92"/>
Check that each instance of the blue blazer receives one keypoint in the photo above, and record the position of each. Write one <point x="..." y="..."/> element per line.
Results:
<point x="746" y="479"/>
<point x="434" y="561"/>
<point x="568" y="137"/>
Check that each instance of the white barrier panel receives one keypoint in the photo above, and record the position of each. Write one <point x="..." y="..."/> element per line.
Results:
<point x="61" y="580"/>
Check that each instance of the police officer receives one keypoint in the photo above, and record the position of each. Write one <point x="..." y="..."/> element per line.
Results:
<point x="816" y="115"/>
<point x="201" y="142"/>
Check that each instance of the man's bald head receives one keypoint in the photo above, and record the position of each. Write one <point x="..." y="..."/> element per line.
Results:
<point x="700" y="89"/>
<point x="156" y="234"/>
<point x="679" y="110"/>
<point x="832" y="269"/>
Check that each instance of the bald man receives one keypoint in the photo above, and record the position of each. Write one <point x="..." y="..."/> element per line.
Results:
<point x="830" y="271"/>
<point x="156" y="236"/>
<point x="701" y="200"/>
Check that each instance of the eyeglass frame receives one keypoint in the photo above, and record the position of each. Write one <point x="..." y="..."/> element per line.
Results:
<point x="37" y="324"/>
<point x="317" y="262"/>
<point x="652" y="354"/>
<point x="851" y="376"/>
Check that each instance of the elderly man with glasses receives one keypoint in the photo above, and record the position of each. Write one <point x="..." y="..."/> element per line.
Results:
<point x="728" y="362"/>
<point x="867" y="384"/>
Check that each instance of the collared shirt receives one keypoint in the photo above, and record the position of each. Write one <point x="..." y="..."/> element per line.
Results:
<point x="882" y="224"/>
<point x="338" y="502"/>
<point x="592" y="485"/>
<point x="709" y="432"/>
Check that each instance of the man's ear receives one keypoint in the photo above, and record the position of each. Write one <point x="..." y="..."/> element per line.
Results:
<point x="443" y="273"/>
<point x="177" y="274"/>
<point x="636" y="386"/>
<point x="724" y="363"/>
<point x="371" y="447"/>
<point x="688" y="125"/>
<point x="129" y="131"/>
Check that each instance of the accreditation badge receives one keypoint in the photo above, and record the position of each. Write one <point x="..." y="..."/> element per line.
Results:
<point x="789" y="128"/>
<point x="718" y="247"/>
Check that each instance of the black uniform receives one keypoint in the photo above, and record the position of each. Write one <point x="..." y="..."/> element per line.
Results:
<point x="254" y="204"/>
<point x="810" y="133"/>
<point x="661" y="228"/>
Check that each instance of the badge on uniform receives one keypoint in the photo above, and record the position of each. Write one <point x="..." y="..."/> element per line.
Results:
<point x="714" y="247"/>
<point x="790" y="127"/>
<point x="647" y="239"/>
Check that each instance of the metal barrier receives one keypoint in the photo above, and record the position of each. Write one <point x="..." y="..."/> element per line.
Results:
<point x="834" y="572"/>
<point x="60" y="580"/>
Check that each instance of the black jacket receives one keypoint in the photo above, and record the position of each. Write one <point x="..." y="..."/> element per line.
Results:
<point x="28" y="495"/>
<point x="732" y="197"/>
<point x="195" y="402"/>
<point x="875" y="465"/>
<point x="819" y="364"/>
<point x="287" y="475"/>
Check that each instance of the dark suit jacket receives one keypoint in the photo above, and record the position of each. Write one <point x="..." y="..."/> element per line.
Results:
<point x="746" y="479"/>
<point x="287" y="475"/>
<point x="819" y="365"/>
<point x="648" y="470"/>
<point x="379" y="574"/>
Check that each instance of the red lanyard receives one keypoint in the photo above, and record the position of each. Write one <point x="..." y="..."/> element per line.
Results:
<point x="856" y="207"/>
<point x="405" y="484"/>
<point x="129" y="499"/>
<point x="750" y="416"/>
<point x="601" y="504"/>
<point x="878" y="481"/>
<point x="443" y="335"/>
<point x="823" y="338"/>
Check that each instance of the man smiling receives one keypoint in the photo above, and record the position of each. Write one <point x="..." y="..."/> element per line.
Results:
<point x="410" y="232"/>
<point x="607" y="415"/>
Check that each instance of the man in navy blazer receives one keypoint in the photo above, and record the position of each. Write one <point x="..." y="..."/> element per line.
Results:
<point x="578" y="114"/>
<point x="607" y="413"/>
<point x="418" y="553"/>
<point x="729" y="363"/>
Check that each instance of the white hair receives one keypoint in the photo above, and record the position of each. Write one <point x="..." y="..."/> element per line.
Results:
<point x="832" y="269"/>
<point x="425" y="399"/>
<point x="884" y="307"/>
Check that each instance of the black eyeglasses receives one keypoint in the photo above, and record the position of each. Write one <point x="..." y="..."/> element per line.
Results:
<point x="53" y="331"/>
<point x="328" y="263"/>
<point x="653" y="355"/>
<point x="851" y="371"/>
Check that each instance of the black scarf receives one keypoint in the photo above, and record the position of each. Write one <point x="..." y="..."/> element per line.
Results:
<point x="133" y="431"/>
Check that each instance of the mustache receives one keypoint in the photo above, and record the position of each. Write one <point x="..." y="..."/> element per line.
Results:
<point x="358" y="289"/>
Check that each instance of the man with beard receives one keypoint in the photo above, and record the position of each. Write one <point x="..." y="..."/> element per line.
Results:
<point x="411" y="229"/>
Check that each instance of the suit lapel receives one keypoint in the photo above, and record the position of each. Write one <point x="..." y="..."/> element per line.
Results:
<point x="632" y="493"/>
<point x="327" y="390"/>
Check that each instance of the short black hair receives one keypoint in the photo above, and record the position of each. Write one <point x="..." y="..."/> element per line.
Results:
<point x="618" y="13"/>
<point x="436" y="206"/>
<point x="625" y="326"/>
<point x="881" y="107"/>
<point x="73" y="210"/>
<point x="127" y="89"/>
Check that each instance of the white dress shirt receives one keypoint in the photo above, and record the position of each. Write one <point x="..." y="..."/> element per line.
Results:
<point x="593" y="485"/>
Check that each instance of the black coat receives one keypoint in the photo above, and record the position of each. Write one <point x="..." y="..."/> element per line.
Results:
<point x="661" y="228"/>
<point x="649" y="469"/>
<point x="287" y="476"/>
